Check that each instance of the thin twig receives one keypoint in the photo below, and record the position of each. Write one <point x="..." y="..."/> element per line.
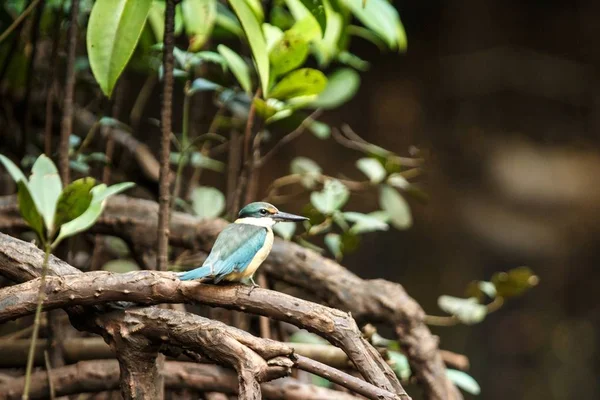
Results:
<point x="18" y="20"/>
<point x="289" y="137"/>
<point x="140" y="102"/>
<point x="49" y="373"/>
<point x="166" y="115"/>
<point x="67" y="118"/>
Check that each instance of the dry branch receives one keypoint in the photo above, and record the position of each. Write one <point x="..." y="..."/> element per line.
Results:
<point x="98" y="376"/>
<point x="367" y="300"/>
<point x="18" y="261"/>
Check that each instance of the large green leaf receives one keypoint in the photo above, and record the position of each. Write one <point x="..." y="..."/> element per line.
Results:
<point x="381" y="17"/>
<point x="288" y="53"/>
<point x="255" y="39"/>
<point x="13" y="170"/>
<point x="300" y="83"/>
<point x="45" y="187"/>
<point x="198" y="18"/>
<point x="28" y="210"/>
<point x="341" y="87"/>
<point x="113" y="31"/>
<point x="396" y="207"/>
<point x="463" y="381"/>
<point x="468" y="311"/>
<point x="73" y="201"/>
<point x="333" y="241"/>
<point x="89" y="216"/>
<point x="237" y="66"/>
<point x="208" y="202"/>
<point x="333" y="197"/>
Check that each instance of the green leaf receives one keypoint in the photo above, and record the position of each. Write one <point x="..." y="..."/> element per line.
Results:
<point x="288" y="53"/>
<point x="209" y="56"/>
<point x="45" y="187"/>
<point x="28" y="210"/>
<point x="382" y="18"/>
<point x="273" y="35"/>
<point x="479" y="289"/>
<point x="332" y="198"/>
<point x="308" y="168"/>
<point x="285" y="229"/>
<point x="364" y="223"/>
<point x="372" y="169"/>
<point x="156" y="19"/>
<point x="400" y="365"/>
<point x="514" y="282"/>
<point x="327" y="48"/>
<point x="228" y="21"/>
<point x="13" y="170"/>
<point x="396" y="207"/>
<point x="300" y="83"/>
<point x="198" y="18"/>
<point x="352" y="60"/>
<point x="317" y="9"/>
<point x="255" y="39"/>
<point x="73" y="201"/>
<point x="113" y="31"/>
<point x="89" y="216"/>
<point x="463" y="381"/>
<point x="238" y="67"/>
<point x="468" y="311"/>
<point x="208" y="202"/>
<point x="201" y="85"/>
<point x="257" y="9"/>
<point x="333" y="241"/>
<point x="120" y="266"/>
<point x="341" y="87"/>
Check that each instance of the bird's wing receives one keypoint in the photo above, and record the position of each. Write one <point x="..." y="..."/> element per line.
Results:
<point x="235" y="247"/>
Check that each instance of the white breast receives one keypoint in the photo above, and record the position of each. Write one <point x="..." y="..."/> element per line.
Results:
<point x="261" y="254"/>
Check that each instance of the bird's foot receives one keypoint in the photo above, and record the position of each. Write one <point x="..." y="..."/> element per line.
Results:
<point x="254" y="285"/>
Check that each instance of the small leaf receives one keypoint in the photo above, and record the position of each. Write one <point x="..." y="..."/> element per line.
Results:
<point x="398" y="181"/>
<point x="400" y="365"/>
<point x="285" y="229"/>
<point x="237" y="66"/>
<point x="209" y="56"/>
<point x="89" y="216"/>
<point x="333" y="197"/>
<point x="478" y="289"/>
<point x="333" y="241"/>
<point x="113" y="31"/>
<point x="255" y="39"/>
<point x="208" y="202"/>
<point x="303" y="336"/>
<point x="514" y="282"/>
<point x="201" y="85"/>
<point x="372" y="169"/>
<point x="382" y="18"/>
<point x="299" y="83"/>
<point x="121" y="266"/>
<point x="352" y="60"/>
<point x="396" y="207"/>
<point x="228" y="21"/>
<point x="28" y="210"/>
<point x="73" y="201"/>
<point x="288" y="53"/>
<point x="13" y="170"/>
<point x="273" y="35"/>
<point x="468" y="311"/>
<point x="198" y="18"/>
<point x="463" y="381"/>
<point x="365" y="223"/>
<point x="308" y="168"/>
<point x="341" y="87"/>
<point x="45" y="187"/>
<point x="320" y="129"/>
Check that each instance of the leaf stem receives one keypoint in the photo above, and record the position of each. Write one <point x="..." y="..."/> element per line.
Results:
<point x="36" y="322"/>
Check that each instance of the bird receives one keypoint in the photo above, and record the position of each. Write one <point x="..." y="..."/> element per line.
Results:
<point x="242" y="246"/>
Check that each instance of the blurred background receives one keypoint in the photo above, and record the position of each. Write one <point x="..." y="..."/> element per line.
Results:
<point x="503" y="97"/>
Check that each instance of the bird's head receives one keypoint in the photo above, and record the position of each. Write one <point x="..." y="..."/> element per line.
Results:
<point x="262" y="210"/>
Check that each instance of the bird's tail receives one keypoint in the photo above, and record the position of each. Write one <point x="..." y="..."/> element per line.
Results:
<point x="197" y="273"/>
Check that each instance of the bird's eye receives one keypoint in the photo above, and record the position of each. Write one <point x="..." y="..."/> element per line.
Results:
<point x="263" y="211"/>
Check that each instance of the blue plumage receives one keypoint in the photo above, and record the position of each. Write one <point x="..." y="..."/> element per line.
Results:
<point x="231" y="254"/>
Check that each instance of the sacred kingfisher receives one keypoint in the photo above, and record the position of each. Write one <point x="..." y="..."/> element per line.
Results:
<point x="242" y="246"/>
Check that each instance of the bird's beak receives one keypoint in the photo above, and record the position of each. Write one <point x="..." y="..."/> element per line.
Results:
<point x="283" y="216"/>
